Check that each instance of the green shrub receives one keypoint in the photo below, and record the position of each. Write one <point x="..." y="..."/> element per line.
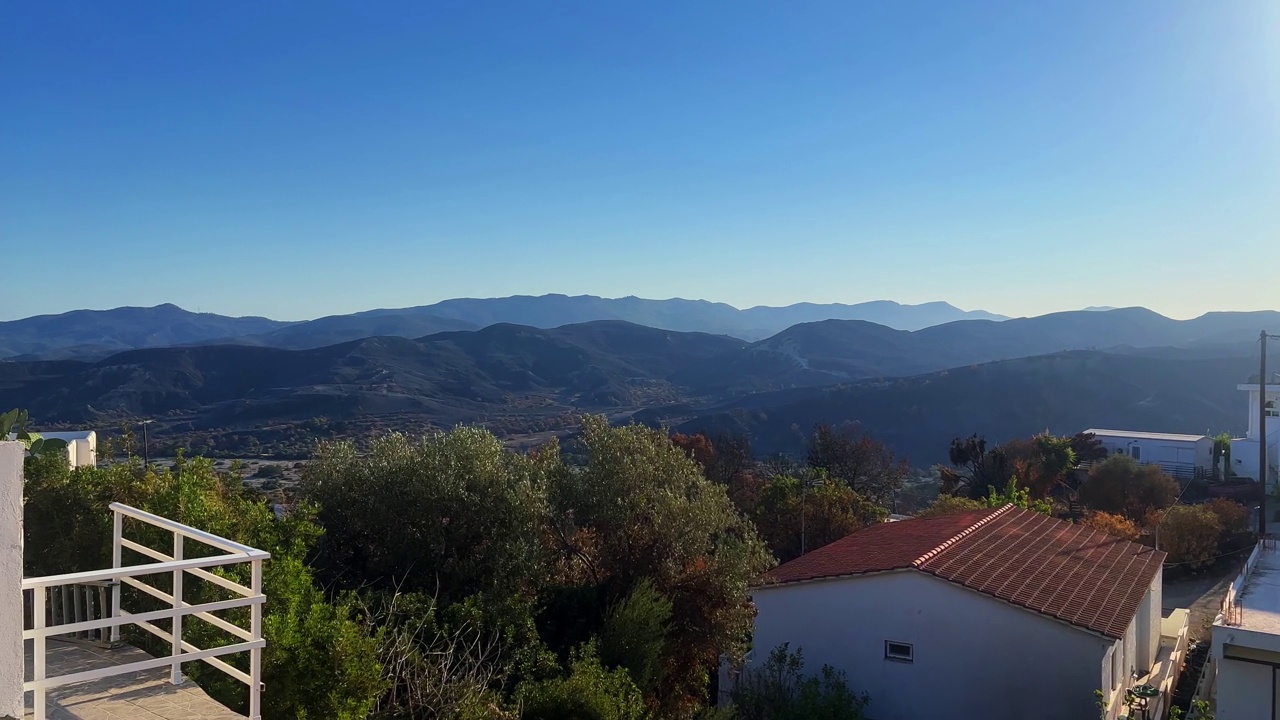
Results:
<point x="778" y="690"/>
<point x="948" y="504"/>
<point x="589" y="692"/>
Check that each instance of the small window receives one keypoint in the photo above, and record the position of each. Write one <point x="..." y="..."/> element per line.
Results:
<point x="897" y="651"/>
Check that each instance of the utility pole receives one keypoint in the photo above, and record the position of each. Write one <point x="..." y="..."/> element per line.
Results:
<point x="146" y="449"/>
<point x="1262" y="434"/>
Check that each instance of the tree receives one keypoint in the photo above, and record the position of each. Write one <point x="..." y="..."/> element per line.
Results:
<point x="698" y="447"/>
<point x="635" y="635"/>
<point x="451" y="515"/>
<point x="1222" y="456"/>
<point x="1232" y="516"/>
<point x="1087" y="447"/>
<point x="977" y="468"/>
<point x="640" y="508"/>
<point x="779" y="690"/>
<point x="726" y="460"/>
<point x="1190" y="534"/>
<point x="949" y="504"/>
<point x="1117" y="525"/>
<point x="860" y="461"/>
<point x="796" y="515"/>
<point x="1121" y="486"/>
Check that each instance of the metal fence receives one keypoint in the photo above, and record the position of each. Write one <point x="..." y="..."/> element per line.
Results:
<point x="86" y="607"/>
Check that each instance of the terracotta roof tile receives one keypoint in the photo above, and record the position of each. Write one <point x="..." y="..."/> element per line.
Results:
<point x="1074" y="573"/>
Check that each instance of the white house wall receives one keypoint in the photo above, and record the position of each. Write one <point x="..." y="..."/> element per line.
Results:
<point x="974" y="656"/>
<point x="1245" y="690"/>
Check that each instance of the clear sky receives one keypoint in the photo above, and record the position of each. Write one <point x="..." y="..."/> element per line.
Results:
<point x="309" y="158"/>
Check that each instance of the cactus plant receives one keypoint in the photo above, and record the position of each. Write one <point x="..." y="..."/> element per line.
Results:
<point x="14" y="423"/>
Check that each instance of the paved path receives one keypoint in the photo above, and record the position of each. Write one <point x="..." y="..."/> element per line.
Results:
<point x="1202" y="595"/>
<point x="145" y="695"/>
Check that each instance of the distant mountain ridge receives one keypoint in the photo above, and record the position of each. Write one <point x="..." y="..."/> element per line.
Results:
<point x="96" y="333"/>
<point x="100" y="332"/>
<point x="916" y="390"/>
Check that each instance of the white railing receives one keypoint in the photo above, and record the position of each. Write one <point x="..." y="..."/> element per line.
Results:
<point x="181" y="651"/>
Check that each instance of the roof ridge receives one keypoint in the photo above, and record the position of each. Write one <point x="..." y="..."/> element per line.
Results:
<point x="960" y="536"/>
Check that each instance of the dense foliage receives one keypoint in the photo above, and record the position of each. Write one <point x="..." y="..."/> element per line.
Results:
<point x="1112" y="524"/>
<point x="1121" y="486"/>
<point x="797" y="514"/>
<point x="948" y="504"/>
<point x="1190" y="534"/>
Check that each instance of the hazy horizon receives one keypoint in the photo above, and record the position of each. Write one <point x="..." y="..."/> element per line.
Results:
<point x="298" y="160"/>
<point x="708" y="300"/>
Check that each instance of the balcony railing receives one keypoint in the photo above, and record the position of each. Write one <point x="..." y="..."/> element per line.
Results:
<point x="56" y="598"/>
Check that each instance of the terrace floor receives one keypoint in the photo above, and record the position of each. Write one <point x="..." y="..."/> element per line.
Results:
<point x="1259" y="601"/>
<point x="145" y="695"/>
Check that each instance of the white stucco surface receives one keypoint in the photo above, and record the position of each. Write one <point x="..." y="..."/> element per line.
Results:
<point x="1244" y="690"/>
<point x="974" y="656"/>
<point x="11" y="455"/>
<point x="1246" y="641"/>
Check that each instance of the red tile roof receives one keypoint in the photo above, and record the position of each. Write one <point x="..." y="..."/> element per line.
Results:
<point x="1071" y="572"/>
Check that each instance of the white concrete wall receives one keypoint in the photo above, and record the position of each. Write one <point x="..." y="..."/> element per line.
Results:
<point x="1244" y="458"/>
<point x="82" y="446"/>
<point x="1244" y="690"/>
<point x="975" y="656"/>
<point x="1273" y="424"/>
<point x="1147" y="623"/>
<point x="1198" y="454"/>
<point x="11" y="456"/>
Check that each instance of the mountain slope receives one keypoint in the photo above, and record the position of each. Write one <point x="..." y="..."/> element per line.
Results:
<point x="101" y="331"/>
<point x="336" y="329"/>
<point x="452" y="376"/>
<point x="1064" y="393"/>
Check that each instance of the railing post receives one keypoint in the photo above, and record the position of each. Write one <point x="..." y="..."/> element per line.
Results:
<point x="175" y="672"/>
<point x="117" y="532"/>
<point x="38" y="650"/>
<point x="255" y="655"/>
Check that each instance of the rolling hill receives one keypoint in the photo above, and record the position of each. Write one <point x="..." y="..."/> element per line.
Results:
<point x="453" y="376"/>
<point x="1062" y="392"/>
<point x="917" y="390"/>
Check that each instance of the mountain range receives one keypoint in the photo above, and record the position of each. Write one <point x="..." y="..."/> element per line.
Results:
<point x="1128" y="368"/>
<point x="97" y="333"/>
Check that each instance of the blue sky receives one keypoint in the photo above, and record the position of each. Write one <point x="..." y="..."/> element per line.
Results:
<point x="309" y="158"/>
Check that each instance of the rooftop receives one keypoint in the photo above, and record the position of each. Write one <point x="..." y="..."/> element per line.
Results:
<point x="1070" y="572"/>
<point x="1258" y="605"/>
<point x="1137" y="435"/>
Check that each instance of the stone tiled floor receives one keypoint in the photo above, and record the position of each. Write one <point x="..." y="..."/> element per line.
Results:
<point x="146" y="695"/>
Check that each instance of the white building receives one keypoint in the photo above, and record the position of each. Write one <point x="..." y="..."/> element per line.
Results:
<point x="82" y="446"/>
<point x="1244" y="451"/>
<point x="1002" y="613"/>
<point x="1246" y="641"/>
<point x="1182" y="456"/>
